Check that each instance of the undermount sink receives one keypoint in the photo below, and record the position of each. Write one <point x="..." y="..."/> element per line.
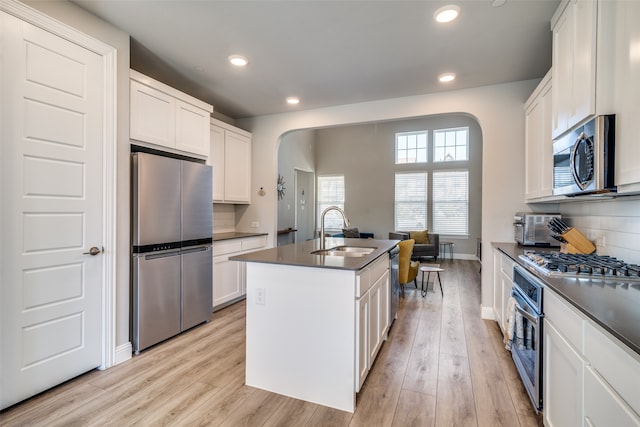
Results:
<point x="345" y="251"/>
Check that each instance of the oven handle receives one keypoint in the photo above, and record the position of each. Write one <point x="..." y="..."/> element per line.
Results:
<point x="529" y="317"/>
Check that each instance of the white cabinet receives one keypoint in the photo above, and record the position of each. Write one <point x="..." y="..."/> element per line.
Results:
<point x="502" y="284"/>
<point x="589" y="377"/>
<point x="166" y="117"/>
<point x="627" y="94"/>
<point x="372" y="311"/>
<point x="563" y="380"/>
<point x="231" y="160"/>
<point x="574" y="64"/>
<point x="538" y="142"/>
<point x="229" y="282"/>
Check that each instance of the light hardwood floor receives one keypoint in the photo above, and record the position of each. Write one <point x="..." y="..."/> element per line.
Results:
<point x="441" y="366"/>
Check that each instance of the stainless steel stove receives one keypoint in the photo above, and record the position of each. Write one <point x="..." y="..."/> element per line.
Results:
<point x="599" y="266"/>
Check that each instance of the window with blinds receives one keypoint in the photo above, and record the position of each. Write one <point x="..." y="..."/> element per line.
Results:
<point x="411" y="201"/>
<point x="451" y="202"/>
<point x="330" y="193"/>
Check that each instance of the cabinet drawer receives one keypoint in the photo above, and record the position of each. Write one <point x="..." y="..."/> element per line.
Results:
<point x="507" y="266"/>
<point x="602" y="406"/>
<point x="363" y="282"/>
<point x="227" y="247"/>
<point x="618" y="367"/>
<point x="254" y="243"/>
<point x="562" y="316"/>
<point x="378" y="268"/>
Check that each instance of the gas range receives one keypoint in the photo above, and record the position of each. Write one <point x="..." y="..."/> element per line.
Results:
<point x="593" y="266"/>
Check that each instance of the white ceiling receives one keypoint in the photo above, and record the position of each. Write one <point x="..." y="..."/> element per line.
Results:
<point x="328" y="52"/>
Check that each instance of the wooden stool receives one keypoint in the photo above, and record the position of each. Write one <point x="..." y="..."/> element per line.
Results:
<point x="430" y="270"/>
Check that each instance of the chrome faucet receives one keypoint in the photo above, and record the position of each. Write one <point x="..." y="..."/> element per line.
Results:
<point x="330" y="208"/>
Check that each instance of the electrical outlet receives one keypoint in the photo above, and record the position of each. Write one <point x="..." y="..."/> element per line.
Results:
<point x="260" y="296"/>
<point x="601" y="241"/>
<point x="255" y="224"/>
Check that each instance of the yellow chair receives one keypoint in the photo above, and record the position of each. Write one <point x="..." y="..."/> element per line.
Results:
<point x="407" y="269"/>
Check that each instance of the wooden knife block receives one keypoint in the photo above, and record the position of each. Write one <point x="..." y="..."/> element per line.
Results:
<point x="576" y="243"/>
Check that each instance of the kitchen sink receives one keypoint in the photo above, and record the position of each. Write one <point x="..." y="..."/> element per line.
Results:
<point x="345" y="251"/>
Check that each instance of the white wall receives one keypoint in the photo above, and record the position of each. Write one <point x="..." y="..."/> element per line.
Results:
<point x="498" y="109"/>
<point x="87" y="23"/>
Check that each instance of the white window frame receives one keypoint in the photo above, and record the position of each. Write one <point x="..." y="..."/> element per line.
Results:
<point x="333" y="196"/>
<point x="411" y="194"/>
<point x="412" y="147"/>
<point x="456" y="139"/>
<point x="450" y="202"/>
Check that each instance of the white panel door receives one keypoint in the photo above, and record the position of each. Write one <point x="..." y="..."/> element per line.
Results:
<point x="52" y="203"/>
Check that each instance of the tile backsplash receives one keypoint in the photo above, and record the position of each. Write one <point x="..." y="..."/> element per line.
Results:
<point x="224" y="218"/>
<point x="613" y="225"/>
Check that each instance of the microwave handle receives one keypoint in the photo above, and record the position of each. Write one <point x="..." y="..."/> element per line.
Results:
<point x="576" y="178"/>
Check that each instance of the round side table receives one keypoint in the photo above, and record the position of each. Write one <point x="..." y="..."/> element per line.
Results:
<point x="443" y="249"/>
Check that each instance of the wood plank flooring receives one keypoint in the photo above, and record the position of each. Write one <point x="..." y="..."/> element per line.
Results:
<point x="441" y="366"/>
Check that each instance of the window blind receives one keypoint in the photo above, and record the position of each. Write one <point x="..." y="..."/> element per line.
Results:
<point x="330" y="193"/>
<point x="411" y="201"/>
<point x="451" y="202"/>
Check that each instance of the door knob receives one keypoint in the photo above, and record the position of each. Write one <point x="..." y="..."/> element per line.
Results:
<point x="93" y="251"/>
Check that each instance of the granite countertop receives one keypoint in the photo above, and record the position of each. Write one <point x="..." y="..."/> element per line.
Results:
<point x="235" y="235"/>
<point x="299" y="254"/>
<point x="612" y="304"/>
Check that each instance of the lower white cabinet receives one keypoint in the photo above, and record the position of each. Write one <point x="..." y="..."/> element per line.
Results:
<point x="372" y="310"/>
<point x="229" y="282"/>
<point x="589" y="378"/>
<point x="563" y="381"/>
<point x="502" y="284"/>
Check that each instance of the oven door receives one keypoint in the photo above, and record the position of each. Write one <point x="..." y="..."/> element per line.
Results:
<point x="526" y="348"/>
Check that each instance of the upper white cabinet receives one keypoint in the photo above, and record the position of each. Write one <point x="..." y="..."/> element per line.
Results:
<point x="574" y="64"/>
<point x="538" y="142"/>
<point x="627" y="94"/>
<point x="164" y="116"/>
<point x="231" y="160"/>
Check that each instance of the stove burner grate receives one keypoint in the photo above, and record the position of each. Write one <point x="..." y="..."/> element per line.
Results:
<point x="577" y="264"/>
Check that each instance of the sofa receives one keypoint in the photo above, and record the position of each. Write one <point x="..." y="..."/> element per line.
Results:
<point x="420" y="250"/>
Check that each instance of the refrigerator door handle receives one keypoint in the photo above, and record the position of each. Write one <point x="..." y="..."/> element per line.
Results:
<point x="192" y="249"/>
<point x="163" y="254"/>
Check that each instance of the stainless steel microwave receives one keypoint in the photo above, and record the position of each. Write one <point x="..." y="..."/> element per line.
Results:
<point x="584" y="159"/>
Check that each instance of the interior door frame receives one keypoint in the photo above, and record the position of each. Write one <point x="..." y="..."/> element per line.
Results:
<point x="109" y="151"/>
<point x="311" y="201"/>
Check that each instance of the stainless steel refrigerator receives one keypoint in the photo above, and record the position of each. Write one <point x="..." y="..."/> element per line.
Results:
<point x="172" y="225"/>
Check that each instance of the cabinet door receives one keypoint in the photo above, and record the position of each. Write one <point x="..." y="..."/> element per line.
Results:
<point x="152" y="116"/>
<point x="497" y="286"/>
<point x="192" y="129"/>
<point x="546" y="142"/>
<point x="227" y="280"/>
<point x="562" y="72"/>
<point x="602" y="405"/>
<point x="362" y="340"/>
<point x="533" y="137"/>
<point x="627" y="92"/>
<point x="583" y="95"/>
<point x="385" y="295"/>
<point x="563" y="381"/>
<point x="374" y="321"/>
<point x="237" y="155"/>
<point x="217" y="161"/>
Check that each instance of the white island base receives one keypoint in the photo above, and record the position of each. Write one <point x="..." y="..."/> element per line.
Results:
<point x="313" y="333"/>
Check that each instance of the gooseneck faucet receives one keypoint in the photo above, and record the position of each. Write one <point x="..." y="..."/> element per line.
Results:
<point x="324" y="212"/>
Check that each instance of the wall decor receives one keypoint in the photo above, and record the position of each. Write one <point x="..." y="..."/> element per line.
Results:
<point x="280" y="187"/>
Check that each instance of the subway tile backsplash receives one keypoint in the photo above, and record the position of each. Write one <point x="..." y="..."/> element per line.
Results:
<point x="613" y="225"/>
<point x="224" y="218"/>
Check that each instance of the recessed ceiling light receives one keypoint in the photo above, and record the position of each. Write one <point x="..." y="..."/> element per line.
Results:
<point x="446" y="13"/>
<point x="238" y="60"/>
<point x="498" y="3"/>
<point x="293" y="100"/>
<point x="446" y="77"/>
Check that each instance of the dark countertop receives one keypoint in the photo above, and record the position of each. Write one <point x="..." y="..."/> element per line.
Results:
<point x="299" y="254"/>
<point x="612" y="304"/>
<point x="235" y="235"/>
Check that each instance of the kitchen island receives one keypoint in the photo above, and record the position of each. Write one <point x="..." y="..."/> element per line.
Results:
<point x="315" y="323"/>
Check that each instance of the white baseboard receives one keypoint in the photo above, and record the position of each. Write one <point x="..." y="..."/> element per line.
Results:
<point x="487" y="313"/>
<point x="124" y="352"/>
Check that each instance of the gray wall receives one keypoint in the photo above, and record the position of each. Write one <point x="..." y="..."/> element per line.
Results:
<point x="364" y="154"/>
